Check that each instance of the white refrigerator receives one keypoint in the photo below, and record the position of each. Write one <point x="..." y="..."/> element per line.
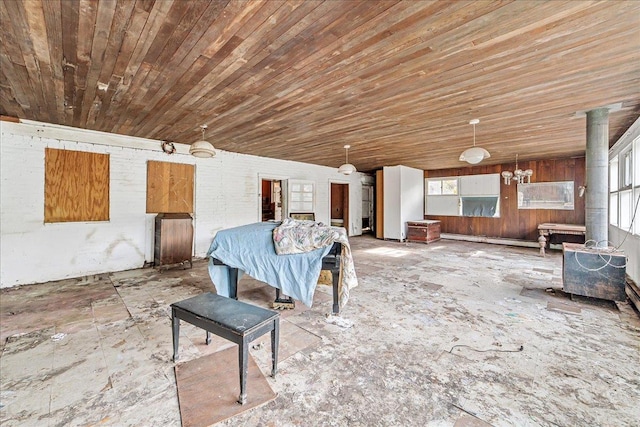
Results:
<point x="403" y="199"/>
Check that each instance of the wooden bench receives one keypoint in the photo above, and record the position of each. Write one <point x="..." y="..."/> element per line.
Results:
<point x="233" y="320"/>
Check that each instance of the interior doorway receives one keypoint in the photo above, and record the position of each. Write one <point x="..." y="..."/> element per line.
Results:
<point x="271" y="200"/>
<point x="340" y="205"/>
<point x="367" y="208"/>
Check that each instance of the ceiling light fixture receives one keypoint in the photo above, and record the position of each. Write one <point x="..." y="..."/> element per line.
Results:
<point x="518" y="175"/>
<point x="347" y="168"/>
<point x="474" y="155"/>
<point x="202" y="148"/>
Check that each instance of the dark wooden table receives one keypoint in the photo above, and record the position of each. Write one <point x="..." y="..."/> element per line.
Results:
<point x="233" y="320"/>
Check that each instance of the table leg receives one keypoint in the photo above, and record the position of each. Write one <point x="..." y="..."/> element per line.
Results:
<point x="243" y="354"/>
<point x="283" y="301"/>
<point x="175" y="330"/>
<point x="542" y="242"/>
<point x="233" y="283"/>
<point x="335" y="275"/>
<point x="275" y="338"/>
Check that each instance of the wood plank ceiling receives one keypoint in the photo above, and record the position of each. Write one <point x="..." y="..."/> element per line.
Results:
<point x="398" y="80"/>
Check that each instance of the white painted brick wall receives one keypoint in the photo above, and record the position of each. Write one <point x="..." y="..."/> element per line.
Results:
<point x="226" y="195"/>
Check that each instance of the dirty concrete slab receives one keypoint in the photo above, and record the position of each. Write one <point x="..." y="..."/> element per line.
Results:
<point x="429" y="338"/>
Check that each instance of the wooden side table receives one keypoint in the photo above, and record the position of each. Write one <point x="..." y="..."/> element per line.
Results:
<point x="233" y="320"/>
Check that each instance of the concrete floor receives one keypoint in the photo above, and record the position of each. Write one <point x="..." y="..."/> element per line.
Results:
<point x="434" y="339"/>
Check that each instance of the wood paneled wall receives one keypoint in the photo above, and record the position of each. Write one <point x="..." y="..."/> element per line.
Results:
<point x="76" y="186"/>
<point x="517" y="223"/>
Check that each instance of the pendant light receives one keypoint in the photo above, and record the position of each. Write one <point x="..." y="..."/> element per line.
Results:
<point x="347" y="168"/>
<point x="518" y="175"/>
<point x="202" y="148"/>
<point x="474" y="155"/>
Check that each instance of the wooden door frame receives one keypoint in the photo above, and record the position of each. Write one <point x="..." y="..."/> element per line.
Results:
<point x="379" y="204"/>
<point x="271" y="177"/>
<point x="371" y="189"/>
<point x="348" y="203"/>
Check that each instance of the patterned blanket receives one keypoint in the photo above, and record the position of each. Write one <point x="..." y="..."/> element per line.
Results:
<point x="295" y="236"/>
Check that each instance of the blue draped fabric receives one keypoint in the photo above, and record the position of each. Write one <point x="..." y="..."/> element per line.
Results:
<point x="250" y="249"/>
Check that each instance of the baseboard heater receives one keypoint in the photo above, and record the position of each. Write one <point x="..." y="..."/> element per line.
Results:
<point x="493" y="240"/>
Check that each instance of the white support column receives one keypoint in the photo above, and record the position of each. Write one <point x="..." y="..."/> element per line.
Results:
<point x="597" y="171"/>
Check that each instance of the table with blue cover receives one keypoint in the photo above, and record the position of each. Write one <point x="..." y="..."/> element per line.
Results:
<point x="250" y="249"/>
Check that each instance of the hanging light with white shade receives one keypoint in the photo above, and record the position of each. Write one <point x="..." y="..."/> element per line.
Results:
<point x="474" y="155"/>
<point x="347" y="168"/>
<point x="202" y="148"/>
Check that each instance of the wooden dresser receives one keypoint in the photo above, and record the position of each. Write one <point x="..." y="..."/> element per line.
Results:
<point x="173" y="240"/>
<point x="425" y="231"/>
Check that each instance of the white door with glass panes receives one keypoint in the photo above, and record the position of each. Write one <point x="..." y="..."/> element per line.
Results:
<point x="301" y="196"/>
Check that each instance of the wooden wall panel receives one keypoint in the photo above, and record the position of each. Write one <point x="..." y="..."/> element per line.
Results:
<point x="76" y="186"/>
<point x="169" y="187"/>
<point x="517" y="223"/>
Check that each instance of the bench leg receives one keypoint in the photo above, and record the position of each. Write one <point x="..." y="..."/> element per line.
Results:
<point x="275" y="338"/>
<point x="243" y="363"/>
<point x="207" y="340"/>
<point x="175" y="328"/>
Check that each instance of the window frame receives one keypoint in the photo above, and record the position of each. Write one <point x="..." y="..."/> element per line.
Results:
<point x="442" y="186"/>
<point x="467" y="187"/>
<point x="307" y="192"/>
<point x="624" y="188"/>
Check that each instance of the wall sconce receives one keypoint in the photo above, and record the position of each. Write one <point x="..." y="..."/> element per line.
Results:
<point x="518" y="175"/>
<point x="202" y="148"/>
